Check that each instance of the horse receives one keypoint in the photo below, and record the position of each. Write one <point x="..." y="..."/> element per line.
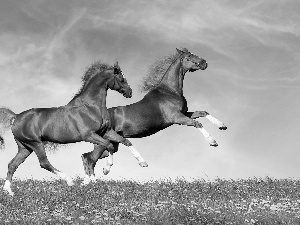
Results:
<point x="162" y="106"/>
<point x="84" y="118"/>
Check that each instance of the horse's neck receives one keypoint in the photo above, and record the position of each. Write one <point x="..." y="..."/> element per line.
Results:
<point x="91" y="96"/>
<point x="173" y="78"/>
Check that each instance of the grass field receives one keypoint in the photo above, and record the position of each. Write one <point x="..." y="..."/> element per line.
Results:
<point x="252" y="201"/>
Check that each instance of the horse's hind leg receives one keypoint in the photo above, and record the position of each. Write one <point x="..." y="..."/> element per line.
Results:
<point x="39" y="149"/>
<point x="22" y="154"/>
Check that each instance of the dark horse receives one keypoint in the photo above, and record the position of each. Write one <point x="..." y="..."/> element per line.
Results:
<point x="84" y="118"/>
<point x="163" y="106"/>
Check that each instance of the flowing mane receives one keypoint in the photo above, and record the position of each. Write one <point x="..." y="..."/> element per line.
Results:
<point x="95" y="68"/>
<point x="156" y="72"/>
<point x="90" y="72"/>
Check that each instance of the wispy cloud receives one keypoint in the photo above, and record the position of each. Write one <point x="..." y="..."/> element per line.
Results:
<point x="252" y="49"/>
<point x="59" y="39"/>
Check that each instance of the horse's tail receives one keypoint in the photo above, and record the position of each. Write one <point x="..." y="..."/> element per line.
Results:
<point x="7" y="118"/>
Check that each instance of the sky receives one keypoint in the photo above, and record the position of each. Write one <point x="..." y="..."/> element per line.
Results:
<point x="252" y="82"/>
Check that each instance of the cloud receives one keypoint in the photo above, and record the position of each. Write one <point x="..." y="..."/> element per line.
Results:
<point x="57" y="41"/>
<point x="251" y="82"/>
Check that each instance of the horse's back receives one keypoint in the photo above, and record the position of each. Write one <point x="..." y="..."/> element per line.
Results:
<point x="45" y="123"/>
<point x="27" y="124"/>
<point x="139" y="119"/>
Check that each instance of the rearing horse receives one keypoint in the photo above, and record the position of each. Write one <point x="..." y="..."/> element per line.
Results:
<point x="84" y="118"/>
<point x="163" y="106"/>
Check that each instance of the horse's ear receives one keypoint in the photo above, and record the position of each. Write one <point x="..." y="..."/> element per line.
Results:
<point x="184" y="50"/>
<point x="116" y="67"/>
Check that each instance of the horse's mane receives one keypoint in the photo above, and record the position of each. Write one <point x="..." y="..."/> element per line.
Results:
<point x="95" y="68"/>
<point x="156" y="72"/>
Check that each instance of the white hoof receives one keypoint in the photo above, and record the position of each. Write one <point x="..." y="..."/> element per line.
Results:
<point x="86" y="181"/>
<point x="7" y="188"/>
<point x="216" y="122"/>
<point x="143" y="164"/>
<point x="223" y="127"/>
<point x="93" y="179"/>
<point x="65" y="177"/>
<point x="70" y="181"/>
<point x="207" y="136"/>
<point x="213" y="143"/>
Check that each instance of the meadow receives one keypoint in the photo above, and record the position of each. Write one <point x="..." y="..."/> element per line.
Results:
<point x="249" y="201"/>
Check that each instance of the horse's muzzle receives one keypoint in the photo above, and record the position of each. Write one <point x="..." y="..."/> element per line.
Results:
<point x="203" y="65"/>
<point x="127" y="94"/>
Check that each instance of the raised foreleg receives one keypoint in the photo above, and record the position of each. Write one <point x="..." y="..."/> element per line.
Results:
<point x="197" y="114"/>
<point x="183" y="120"/>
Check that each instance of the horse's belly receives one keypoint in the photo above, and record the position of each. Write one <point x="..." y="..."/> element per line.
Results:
<point x="142" y="129"/>
<point x="61" y="134"/>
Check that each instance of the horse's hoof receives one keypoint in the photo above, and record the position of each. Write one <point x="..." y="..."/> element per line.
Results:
<point x="7" y="188"/>
<point x="93" y="179"/>
<point x="214" y="144"/>
<point x="8" y="191"/>
<point x="70" y="182"/>
<point x="223" y="127"/>
<point x="143" y="164"/>
<point x="85" y="181"/>
<point x="105" y="171"/>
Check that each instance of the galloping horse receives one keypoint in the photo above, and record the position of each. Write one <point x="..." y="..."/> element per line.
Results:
<point x="163" y="106"/>
<point x="84" y="118"/>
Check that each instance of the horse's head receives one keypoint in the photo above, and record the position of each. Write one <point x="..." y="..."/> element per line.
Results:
<point x="191" y="62"/>
<point x="118" y="82"/>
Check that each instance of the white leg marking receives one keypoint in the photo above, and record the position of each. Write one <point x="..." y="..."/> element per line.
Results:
<point x="7" y="188"/>
<point x="138" y="156"/>
<point x="93" y="178"/>
<point x="216" y="121"/>
<point x="86" y="180"/>
<point x="65" y="177"/>
<point x="109" y="164"/>
<point x="207" y="136"/>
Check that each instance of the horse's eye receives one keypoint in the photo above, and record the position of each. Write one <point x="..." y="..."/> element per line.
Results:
<point x="120" y="77"/>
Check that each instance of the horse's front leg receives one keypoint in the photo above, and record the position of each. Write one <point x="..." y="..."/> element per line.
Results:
<point x="89" y="160"/>
<point x="197" y="114"/>
<point x="113" y="136"/>
<point x="183" y="120"/>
